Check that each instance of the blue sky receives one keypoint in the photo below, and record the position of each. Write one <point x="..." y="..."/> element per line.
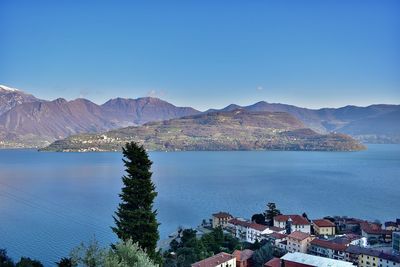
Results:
<point x="204" y="53"/>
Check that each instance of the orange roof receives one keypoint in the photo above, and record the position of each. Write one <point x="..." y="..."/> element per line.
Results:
<point x="222" y="215"/>
<point x="298" y="235"/>
<point x="215" y="260"/>
<point x="278" y="235"/>
<point x="243" y="255"/>
<point x="296" y="219"/>
<point x="328" y="244"/>
<point x="323" y="223"/>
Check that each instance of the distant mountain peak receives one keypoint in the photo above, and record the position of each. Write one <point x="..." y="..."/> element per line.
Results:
<point x="6" y="88"/>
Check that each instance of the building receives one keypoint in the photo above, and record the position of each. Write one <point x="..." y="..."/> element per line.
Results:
<point x="370" y="258"/>
<point x="328" y="249"/>
<point x="392" y="226"/>
<point x="396" y="242"/>
<point x="366" y="257"/>
<point x="238" y="228"/>
<point x="220" y="260"/>
<point x="256" y="232"/>
<point x="277" y="262"/>
<point x="298" y="242"/>
<point x="296" y="222"/>
<point x="220" y="219"/>
<point x="350" y="239"/>
<point x="302" y="259"/>
<point x="276" y="238"/>
<point x="374" y="233"/>
<point x="324" y="227"/>
<point x="247" y="231"/>
<point x="243" y="257"/>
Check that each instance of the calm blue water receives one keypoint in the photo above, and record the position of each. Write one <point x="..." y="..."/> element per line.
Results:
<point x="50" y="202"/>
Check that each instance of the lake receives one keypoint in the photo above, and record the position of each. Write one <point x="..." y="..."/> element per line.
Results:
<point x="50" y="202"/>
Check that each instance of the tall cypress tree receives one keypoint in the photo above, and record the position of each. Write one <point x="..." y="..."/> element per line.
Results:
<point x="135" y="218"/>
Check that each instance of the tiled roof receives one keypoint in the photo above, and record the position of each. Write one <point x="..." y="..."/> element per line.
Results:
<point x="298" y="235"/>
<point x="345" y="239"/>
<point x="374" y="229"/>
<point x="243" y="255"/>
<point x="258" y="227"/>
<point x="235" y="221"/>
<point x="323" y="223"/>
<point x="328" y="244"/>
<point x="372" y="252"/>
<point x="222" y="215"/>
<point x="277" y="235"/>
<point x="296" y="219"/>
<point x="214" y="260"/>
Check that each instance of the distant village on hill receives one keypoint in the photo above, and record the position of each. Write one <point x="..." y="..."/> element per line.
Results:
<point x="297" y="241"/>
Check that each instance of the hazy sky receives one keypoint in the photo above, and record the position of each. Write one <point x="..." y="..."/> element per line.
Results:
<point x="204" y="53"/>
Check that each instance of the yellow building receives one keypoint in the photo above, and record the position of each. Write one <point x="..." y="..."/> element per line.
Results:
<point x="220" y="219"/>
<point x="368" y="260"/>
<point x="324" y="227"/>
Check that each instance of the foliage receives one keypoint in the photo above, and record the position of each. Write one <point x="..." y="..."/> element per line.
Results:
<point x="259" y="218"/>
<point x="189" y="249"/>
<point x="5" y="261"/>
<point x="135" y="218"/>
<point x="90" y="255"/>
<point x="123" y="254"/>
<point x="28" y="262"/>
<point x="305" y="216"/>
<point x="270" y="212"/>
<point x="65" y="262"/>
<point x="128" y="254"/>
<point x="262" y="255"/>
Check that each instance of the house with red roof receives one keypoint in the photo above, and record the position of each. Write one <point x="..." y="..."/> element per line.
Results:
<point x="296" y="222"/>
<point x="243" y="257"/>
<point x="328" y="249"/>
<point x="374" y="233"/>
<point x="219" y="260"/>
<point x="298" y="242"/>
<point x="324" y="227"/>
<point x="238" y="228"/>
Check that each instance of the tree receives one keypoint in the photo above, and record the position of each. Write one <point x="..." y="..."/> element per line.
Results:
<point x="127" y="254"/>
<point x="258" y="218"/>
<point x="65" y="262"/>
<point x="305" y="216"/>
<point x="262" y="255"/>
<point x="270" y="212"/>
<point x="135" y="218"/>
<point x="28" y="262"/>
<point x="90" y="255"/>
<point x="5" y="261"/>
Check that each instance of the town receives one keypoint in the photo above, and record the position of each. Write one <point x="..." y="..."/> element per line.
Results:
<point x="298" y="241"/>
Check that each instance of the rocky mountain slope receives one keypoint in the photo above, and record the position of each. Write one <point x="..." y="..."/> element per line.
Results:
<point x="231" y="130"/>
<point x="26" y="121"/>
<point x="11" y="97"/>
<point x="29" y="122"/>
<point x="373" y="124"/>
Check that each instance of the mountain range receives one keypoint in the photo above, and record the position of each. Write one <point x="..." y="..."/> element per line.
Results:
<point x="26" y="121"/>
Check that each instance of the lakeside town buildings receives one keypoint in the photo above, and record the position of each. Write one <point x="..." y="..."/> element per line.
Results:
<point x="330" y="241"/>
